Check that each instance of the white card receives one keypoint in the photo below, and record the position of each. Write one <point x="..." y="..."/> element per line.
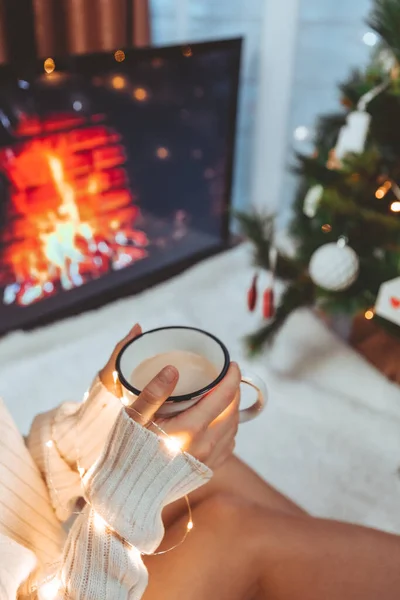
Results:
<point x="388" y="301"/>
<point x="353" y="135"/>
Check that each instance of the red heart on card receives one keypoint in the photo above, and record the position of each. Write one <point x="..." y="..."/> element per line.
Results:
<point x="395" y="302"/>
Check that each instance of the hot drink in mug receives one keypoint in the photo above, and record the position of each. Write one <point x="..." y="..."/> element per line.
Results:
<point x="202" y="361"/>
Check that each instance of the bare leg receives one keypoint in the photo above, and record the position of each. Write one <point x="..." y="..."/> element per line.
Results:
<point x="235" y="478"/>
<point x="238" y="551"/>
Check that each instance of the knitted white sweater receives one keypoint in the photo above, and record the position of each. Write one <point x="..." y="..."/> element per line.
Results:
<point x="130" y="476"/>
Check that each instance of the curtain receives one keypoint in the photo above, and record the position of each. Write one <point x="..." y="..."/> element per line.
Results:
<point x="79" y="26"/>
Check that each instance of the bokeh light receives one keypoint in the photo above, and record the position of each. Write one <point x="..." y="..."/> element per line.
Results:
<point x="369" y="314"/>
<point x="140" y="94"/>
<point x="157" y="62"/>
<point x="301" y="133"/>
<point x="187" y="51"/>
<point x="118" y="82"/>
<point x="77" y="105"/>
<point x="370" y="38"/>
<point x="395" y="207"/>
<point x="162" y="152"/>
<point x="197" y="153"/>
<point x="326" y="228"/>
<point x="49" y="65"/>
<point x="383" y="190"/>
<point x="119" y="55"/>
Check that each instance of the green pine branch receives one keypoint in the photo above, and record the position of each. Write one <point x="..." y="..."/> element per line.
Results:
<point x="340" y="206"/>
<point x="385" y="20"/>
<point x="299" y="293"/>
<point x="259" y="229"/>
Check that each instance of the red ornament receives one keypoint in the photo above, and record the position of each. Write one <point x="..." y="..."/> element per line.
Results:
<point x="268" y="303"/>
<point x="395" y="302"/>
<point x="252" y="294"/>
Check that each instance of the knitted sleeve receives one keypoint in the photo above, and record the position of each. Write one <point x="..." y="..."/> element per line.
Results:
<point x="77" y="430"/>
<point x="30" y="534"/>
<point x="16" y="564"/>
<point x="126" y="490"/>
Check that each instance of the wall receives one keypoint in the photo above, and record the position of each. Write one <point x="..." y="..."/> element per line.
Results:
<point x="329" y="44"/>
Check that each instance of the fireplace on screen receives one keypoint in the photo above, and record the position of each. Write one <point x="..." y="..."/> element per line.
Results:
<point x="113" y="167"/>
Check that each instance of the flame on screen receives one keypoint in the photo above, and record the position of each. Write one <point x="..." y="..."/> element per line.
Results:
<point x="70" y="213"/>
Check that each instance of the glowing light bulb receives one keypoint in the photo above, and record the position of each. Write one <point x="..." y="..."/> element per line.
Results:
<point x="133" y="553"/>
<point x="99" y="522"/>
<point x="187" y="51"/>
<point x="49" y="65"/>
<point x="383" y="190"/>
<point x="190" y="526"/>
<point x="173" y="444"/>
<point x="49" y="443"/>
<point x="49" y="590"/>
<point x="119" y="55"/>
<point x="395" y="207"/>
<point x="369" y="314"/>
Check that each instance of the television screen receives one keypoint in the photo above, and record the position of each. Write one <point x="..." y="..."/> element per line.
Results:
<point x="112" y="166"/>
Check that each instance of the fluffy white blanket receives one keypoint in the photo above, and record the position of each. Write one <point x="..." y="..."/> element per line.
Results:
<point x="330" y="436"/>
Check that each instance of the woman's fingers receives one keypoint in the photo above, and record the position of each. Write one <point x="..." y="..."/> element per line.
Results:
<point x="106" y="374"/>
<point x="231" y="410"/>
<point x="208" y="429"/>
<point x="154" y="395"/>
<point x="199" y="417"/>
<point x="134" y="333"/>
<point x="218" y="436"/>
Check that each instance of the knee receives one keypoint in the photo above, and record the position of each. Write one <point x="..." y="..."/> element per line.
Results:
<point x="232" y="512"/>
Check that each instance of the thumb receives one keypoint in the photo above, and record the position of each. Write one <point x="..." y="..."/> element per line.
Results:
<point x="153" y="395"/>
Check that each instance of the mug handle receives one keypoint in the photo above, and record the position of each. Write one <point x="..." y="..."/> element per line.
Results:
<point x="249" y="413"/>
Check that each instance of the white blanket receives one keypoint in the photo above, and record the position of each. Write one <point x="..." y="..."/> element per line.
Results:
<point x="330" y="436"/>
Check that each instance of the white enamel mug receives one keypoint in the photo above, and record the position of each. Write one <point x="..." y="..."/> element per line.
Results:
<point x="188" y="339"/>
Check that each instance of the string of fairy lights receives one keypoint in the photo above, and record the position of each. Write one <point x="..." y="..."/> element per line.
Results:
<point x="50" y="585"/>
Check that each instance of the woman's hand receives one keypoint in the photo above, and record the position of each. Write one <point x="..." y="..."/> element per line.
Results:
<point x="207" y="430"/>
<point x="106" y="374"/>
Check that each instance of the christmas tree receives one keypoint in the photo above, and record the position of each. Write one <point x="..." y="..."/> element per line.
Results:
<point x="346" y="221"/>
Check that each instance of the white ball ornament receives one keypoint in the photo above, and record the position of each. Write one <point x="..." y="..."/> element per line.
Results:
<point x="334" y="267"/>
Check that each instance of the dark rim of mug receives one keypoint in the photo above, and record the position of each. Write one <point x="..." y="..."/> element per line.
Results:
<point x="183" y="397"/>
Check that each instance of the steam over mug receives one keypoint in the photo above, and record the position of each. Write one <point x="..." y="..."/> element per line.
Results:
<point x="202" y="361"/>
